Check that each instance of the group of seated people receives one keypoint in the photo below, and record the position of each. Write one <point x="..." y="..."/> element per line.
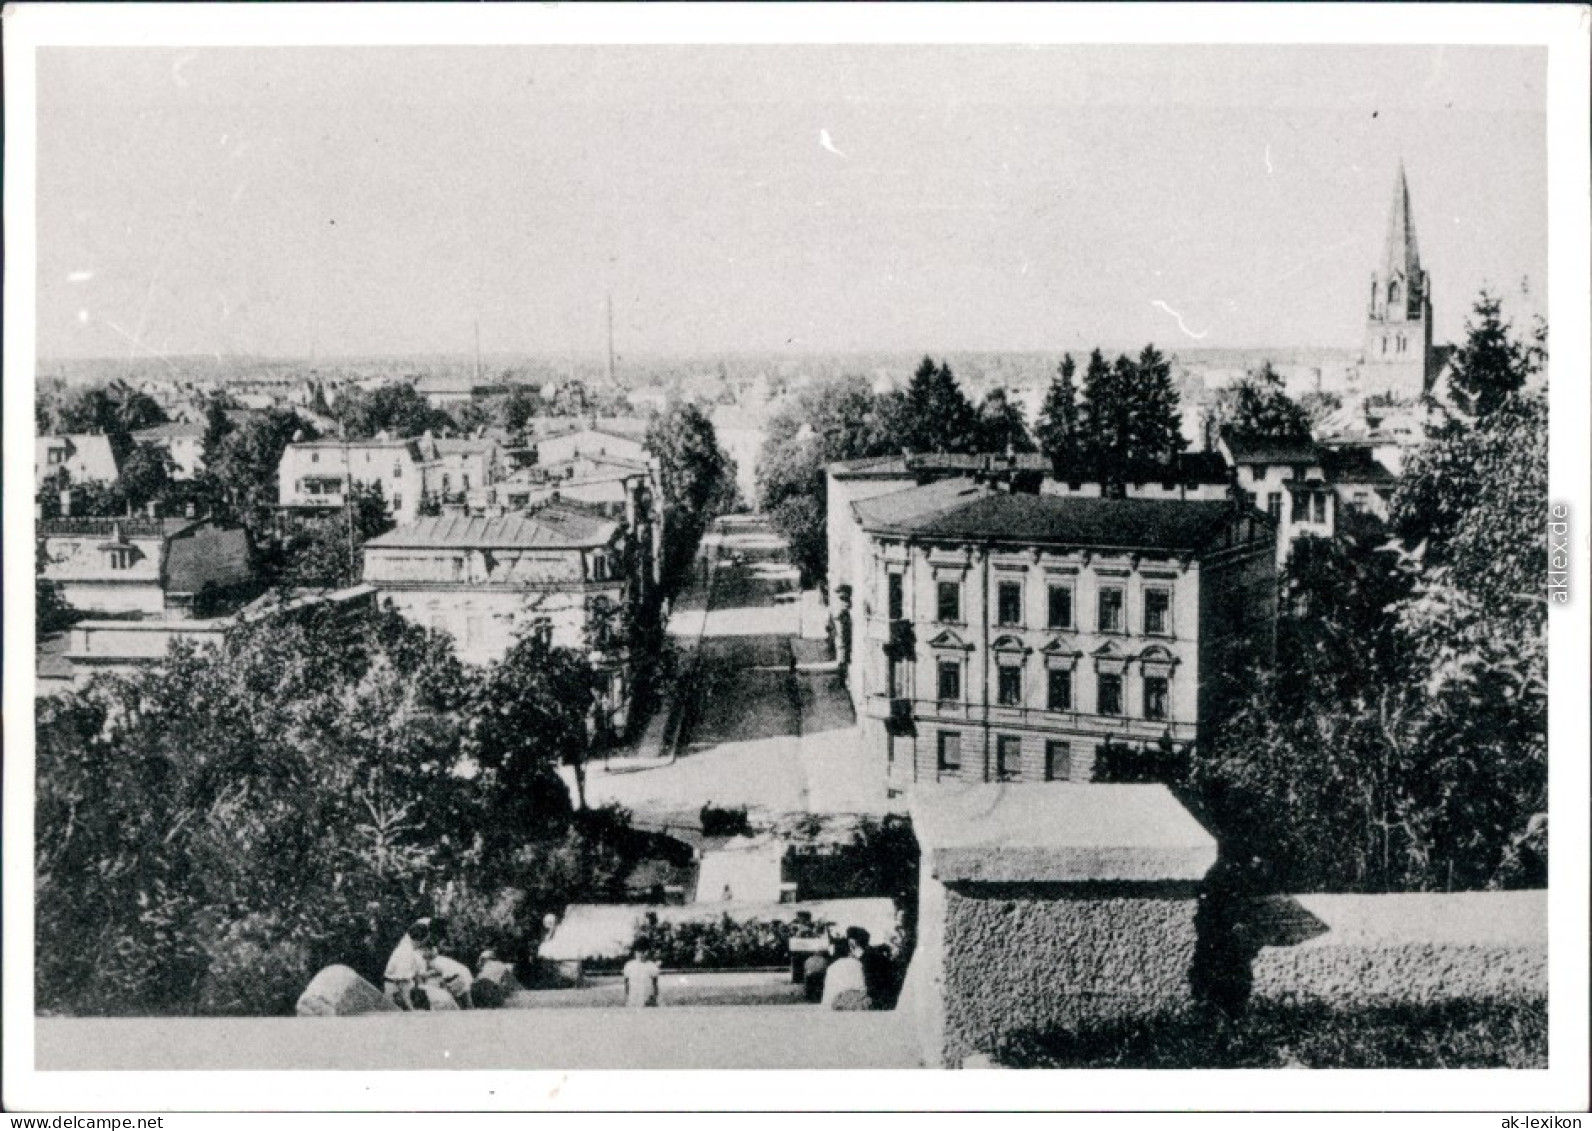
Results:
<point x="417" y="973"/>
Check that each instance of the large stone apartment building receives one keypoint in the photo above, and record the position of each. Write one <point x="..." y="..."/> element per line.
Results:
<point x="1194" y="475"/>
<point x="1008" y="636"/>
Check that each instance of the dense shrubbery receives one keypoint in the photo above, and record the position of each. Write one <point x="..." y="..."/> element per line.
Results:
<point x="727" y="944"/>
<point x="1454" y="1035"/>
<point x="1118" y="762"/>
<point x="720" y="821"/>
<point x="212" y="832"/>
<point x="1402" y="742"/>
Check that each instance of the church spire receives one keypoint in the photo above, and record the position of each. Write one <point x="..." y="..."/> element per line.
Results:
<point x="1398" y="332"/>
<point x="1403" y="256"/>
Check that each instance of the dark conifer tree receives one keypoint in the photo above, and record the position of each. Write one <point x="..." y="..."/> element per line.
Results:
<point x="938" y="417"/>
<point x="1057" y="429"/>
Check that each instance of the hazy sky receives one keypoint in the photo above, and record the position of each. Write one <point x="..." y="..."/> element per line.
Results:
<point x="380" y="200"/>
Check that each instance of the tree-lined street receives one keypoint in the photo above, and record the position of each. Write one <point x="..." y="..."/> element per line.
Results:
<point x="768" y="724"/>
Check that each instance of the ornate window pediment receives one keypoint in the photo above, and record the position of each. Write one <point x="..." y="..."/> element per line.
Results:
<point x="1110" y="659"/>
<point x="950" y="639"/>
<point x="1010" y="645"/>
<point x="1157" y="661"/>
<point x="1060" y="652"/>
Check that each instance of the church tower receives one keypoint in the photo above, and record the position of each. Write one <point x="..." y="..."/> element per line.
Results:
<point x="1398" y="331"/>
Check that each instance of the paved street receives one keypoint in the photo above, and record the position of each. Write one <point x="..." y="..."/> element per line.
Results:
<point x="760" y="733"/>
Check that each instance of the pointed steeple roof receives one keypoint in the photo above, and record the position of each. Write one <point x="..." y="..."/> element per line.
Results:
<point x="1403" y="256"/>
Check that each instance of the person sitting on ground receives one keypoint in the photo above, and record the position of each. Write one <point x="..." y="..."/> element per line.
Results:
<point x="641" y="977"/>
<point x="455" y="977"/>
<point x="408" y="966"/>
<point x="845" y="986"/>
<point x="879" y="976"/>
<point x="813" y="976"/>
<point x="490" y="967"/>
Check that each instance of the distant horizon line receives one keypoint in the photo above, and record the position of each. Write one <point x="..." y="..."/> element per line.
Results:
<point x="599" y="359"/>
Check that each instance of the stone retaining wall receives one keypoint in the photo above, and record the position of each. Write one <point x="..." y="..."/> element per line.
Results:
<point x="1055" y="904"/>
<point x="1397" y="949"/>
<point x="1031" y="956"/>
<point x="1062" y="905"/>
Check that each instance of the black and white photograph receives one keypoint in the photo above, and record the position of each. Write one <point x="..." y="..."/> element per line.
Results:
<point x="660" y="542"/>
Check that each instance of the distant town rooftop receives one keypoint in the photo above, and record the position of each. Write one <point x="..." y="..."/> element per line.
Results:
<point x="1356" y="465"/>
<point x="133" y="526"/>
<point x="172" y="431"/>
<point x="208" y="555"/>
<point x="559" y="525"/>
<point x="1247" y="450"/>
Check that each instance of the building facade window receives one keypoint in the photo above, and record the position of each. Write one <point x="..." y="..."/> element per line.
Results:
<point x="1155" y="697"/>
<point x="1008" y="757"/>
<point x="315" y="457"/>
<point x="1058" y="695"/>
<point x="950" y="682"/>
<point x="897" y="677"/>
<point x="1110" y="694"/>
<point x="1320" y="500"/>
<point x="1110" y="608"/>
<point x="1274" y="505"/>
<point x="397" y="471"/>
<point x="1009" y="603"/>
<point x="1059" y="606"/>
<point x="1301" y="507"/>
<point x="122" y="558"/>
<point x="950" y="752"/>
<point x="895" y="596"/>
<point x="1157" y="612"/>
<point x="1009" y="685"/>
<point x="1058" y="761"/>
<point x="949" y="601"/>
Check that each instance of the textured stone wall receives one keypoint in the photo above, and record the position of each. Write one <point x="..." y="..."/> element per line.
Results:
<point x="1037" y="955"/>
<point x="1054" y="905"/>
<point x="1414" y="949"/>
